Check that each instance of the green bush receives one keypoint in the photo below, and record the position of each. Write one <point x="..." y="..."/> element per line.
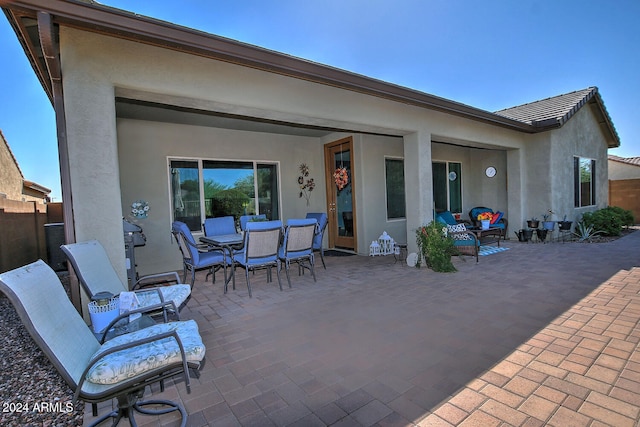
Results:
<point x="435" y="247"/>
<point x="609" y="220"/>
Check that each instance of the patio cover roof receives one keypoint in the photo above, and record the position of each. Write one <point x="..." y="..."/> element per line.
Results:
<point x="91" y="16"/>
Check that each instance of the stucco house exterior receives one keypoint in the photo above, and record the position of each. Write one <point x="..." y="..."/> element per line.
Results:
<point x="13" y="186"/>
<point x="148" y="110"/>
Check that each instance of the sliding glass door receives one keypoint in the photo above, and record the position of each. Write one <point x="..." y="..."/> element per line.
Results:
<point x="447" y="186"/>
<point x="213" y="188"/>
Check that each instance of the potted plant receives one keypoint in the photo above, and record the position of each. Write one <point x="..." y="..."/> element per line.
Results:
<point x="547" y="224"/>
<point x="564" y="225"/>
<point x="524" y="235"/>
<point x="485" y="220"/>
<point x="533" y="222"/>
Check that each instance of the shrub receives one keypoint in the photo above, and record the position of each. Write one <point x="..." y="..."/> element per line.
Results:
<point x="609" y="220"/>
<point x="435" y="247"/>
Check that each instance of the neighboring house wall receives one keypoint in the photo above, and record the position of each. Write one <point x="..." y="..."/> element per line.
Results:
<point x="620" y="170"/>
<point x="10" y="176"/>
<point x="12" y="183"/>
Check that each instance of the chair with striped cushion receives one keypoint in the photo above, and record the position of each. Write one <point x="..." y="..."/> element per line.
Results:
<point x="120" y="369"/>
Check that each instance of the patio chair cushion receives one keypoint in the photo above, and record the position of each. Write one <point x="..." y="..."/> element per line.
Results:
<point x="447" y="218"/>
<point x="176" y="293"/>
<point x="458" y="232"/>
<point x="496" y="217"/>
<point x="129" y="363"/>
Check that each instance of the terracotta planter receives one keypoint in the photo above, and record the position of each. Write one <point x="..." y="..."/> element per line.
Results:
<point x="533" y="224"/>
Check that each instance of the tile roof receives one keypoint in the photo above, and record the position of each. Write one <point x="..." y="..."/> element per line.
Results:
<point x="550" y="110"/>
<point x="630" y="160"/>
<point x="557" y="110"/>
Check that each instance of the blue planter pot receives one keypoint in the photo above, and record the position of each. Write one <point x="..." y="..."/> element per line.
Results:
<point x="548" y="225"/>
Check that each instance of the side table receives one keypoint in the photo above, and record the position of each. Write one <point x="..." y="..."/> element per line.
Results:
<point x="402" y="253"/>
<point x="125" y="326"/>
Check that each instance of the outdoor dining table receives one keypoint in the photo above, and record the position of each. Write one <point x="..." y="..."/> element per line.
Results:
<point x="228" y="242"/>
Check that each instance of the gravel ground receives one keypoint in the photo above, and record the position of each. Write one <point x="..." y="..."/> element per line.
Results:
<point x="32" y="393"/>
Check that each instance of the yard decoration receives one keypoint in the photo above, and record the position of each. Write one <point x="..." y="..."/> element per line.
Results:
<point x="306" y="184"/>
<point x="140" y="209"/>
<point x="341" y="177"/>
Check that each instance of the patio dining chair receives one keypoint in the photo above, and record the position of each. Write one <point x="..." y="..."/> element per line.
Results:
<point x="297" y="246"/>
<point x="260" y="249"/>
<point x="244" y="219"/>
<point x="223" y="225"/>
<point x="219" y="225"/>
<point x="197" y="256"/>
<point x="96" y="274"/>
<point x="321" y="217"/>
<point x="121" y="369"/>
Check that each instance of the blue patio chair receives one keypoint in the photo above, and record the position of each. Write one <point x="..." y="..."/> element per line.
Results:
<point x="297" y="245"/>
<point x="260" y="249"/>
<point x="196" y="256"/>
<point x="219" y="226"/>
<point x="321" y="217"/>
<point x="448" y="218"/>
<point x="501" y="223"/>
<point x="121" y="368"/>
<point x="244" y="219"/>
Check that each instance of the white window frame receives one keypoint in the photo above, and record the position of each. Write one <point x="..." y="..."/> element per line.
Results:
<point x="200" y="161"/>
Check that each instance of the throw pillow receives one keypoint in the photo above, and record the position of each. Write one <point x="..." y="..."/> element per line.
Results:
<point x="496" y="217"/>
<point x="458" y="232"/>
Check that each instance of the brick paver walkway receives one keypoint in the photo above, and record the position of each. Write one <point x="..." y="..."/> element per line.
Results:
<point x="541" y="334"/>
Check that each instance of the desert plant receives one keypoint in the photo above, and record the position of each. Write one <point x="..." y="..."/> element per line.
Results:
<point x="609" y="220"/>
<point x="435" y="247"/>
<point x="585" y="232"/>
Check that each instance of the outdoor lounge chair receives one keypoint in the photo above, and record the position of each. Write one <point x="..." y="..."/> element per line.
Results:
<point x="298" y="245"/>
<point x="448" y="218"/>
<point x="465" y="242"/>
<point x="321" y="217"/>
<point x="197" y="256"/>
<point x="500" y="222"/>
<point x="96" y="274"/>
<point x="121" y="368"/>
<point x="260" y="250"/>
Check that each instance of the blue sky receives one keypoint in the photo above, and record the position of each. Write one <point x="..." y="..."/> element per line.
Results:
<point x="489" y="55"/>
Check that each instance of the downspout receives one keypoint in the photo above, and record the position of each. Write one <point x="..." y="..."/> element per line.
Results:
<point x="51" y="53"/>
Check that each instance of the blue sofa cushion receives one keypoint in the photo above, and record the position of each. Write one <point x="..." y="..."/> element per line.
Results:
<point x="446" y="217"/>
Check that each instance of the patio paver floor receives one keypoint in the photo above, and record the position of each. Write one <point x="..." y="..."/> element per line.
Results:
<point x="541" y="334"/>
